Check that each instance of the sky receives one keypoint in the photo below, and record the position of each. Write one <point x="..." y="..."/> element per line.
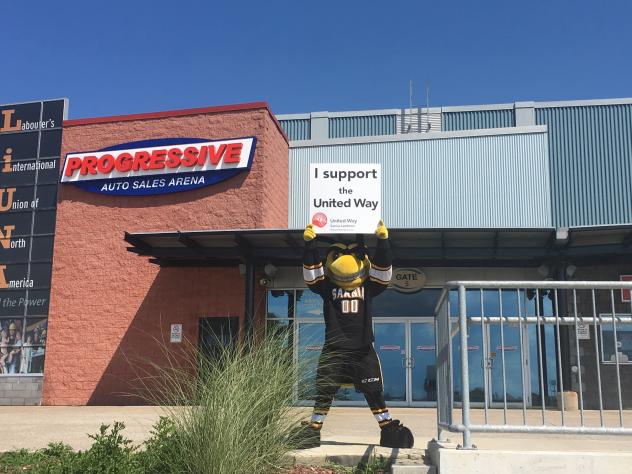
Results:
<point x="133" y="56"/>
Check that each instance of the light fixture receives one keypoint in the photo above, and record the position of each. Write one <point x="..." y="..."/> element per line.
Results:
<point x="561" y="235"/>
<point x="543" y="270"/>
<point x="270" y="270"/>
<point x="570" y="270"/>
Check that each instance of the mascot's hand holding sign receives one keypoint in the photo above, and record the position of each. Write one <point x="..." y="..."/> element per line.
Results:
<point x="348" y="280"/>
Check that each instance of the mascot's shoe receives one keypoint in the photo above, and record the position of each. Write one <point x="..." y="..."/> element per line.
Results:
<point x="396" y="435"/>
<point x="307" y="437"/>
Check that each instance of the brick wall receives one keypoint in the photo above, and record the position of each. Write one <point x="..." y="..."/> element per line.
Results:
<point x="21" y="390"/>
<point x="111" y="310"/>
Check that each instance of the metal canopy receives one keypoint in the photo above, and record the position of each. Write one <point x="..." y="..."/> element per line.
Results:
<point x="411" y="247"/>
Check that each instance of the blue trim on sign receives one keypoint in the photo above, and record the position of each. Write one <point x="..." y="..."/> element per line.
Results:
<point x="152" y="185"/>
<point x="159" y="183"/>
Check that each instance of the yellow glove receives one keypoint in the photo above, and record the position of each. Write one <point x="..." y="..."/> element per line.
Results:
<point x="308" y="233"/>
<point x="381" y="232"/>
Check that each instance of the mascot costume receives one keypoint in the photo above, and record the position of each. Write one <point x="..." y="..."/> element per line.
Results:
<point x="348" y="280"/>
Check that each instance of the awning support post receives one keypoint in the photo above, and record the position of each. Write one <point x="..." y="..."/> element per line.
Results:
<point x="249" y="306"/>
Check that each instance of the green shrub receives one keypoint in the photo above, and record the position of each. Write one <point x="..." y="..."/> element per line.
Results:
<point x="110" y="453"/>
<point x="160" y="449"/>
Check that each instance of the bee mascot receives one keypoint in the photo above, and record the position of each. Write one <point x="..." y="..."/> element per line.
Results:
<point x="348" y="280"/>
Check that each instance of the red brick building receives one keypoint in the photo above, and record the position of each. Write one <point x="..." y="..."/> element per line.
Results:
<point x="108" y="306"/>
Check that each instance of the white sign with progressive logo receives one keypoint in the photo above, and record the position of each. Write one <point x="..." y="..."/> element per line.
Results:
<point x="345" y="198"/>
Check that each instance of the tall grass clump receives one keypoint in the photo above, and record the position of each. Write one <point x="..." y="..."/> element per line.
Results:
<point x="231" y="413"/>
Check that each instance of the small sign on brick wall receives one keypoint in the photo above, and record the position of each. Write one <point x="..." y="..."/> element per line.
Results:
<point x="176" y="333"/>
<point x="583" y="331"/>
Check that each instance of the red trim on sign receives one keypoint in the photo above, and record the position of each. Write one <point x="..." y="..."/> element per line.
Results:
<point x="177" y="113"/>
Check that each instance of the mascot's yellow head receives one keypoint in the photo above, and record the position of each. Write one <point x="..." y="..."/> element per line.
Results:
<point x="347" y="265"/>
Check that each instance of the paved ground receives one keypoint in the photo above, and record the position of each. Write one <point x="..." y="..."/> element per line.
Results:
<point x="346" y="430"/>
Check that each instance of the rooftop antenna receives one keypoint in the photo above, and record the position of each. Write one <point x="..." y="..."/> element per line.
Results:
<point x="427" y="87"/>
<point x="410" y="104"/>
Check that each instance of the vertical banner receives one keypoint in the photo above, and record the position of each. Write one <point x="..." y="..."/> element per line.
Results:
<point x="345" y="198"/>
<point x="30" y="149"/>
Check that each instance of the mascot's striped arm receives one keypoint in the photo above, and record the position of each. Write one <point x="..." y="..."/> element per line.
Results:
<point x="313" y="269"/>
<point x="381" y="270"/>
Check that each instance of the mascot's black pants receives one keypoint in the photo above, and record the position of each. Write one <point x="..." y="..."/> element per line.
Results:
<point x="360" y="367"/>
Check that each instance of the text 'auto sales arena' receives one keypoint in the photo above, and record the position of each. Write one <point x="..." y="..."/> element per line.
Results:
<point x="122" y="236"/>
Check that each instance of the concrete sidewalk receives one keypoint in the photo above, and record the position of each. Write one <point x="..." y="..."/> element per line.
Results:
<point x="346" y="430"/>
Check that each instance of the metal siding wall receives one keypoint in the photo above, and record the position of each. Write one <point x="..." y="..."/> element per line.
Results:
<point x="591" y="156"/>
<point x="297" y="129"/>
<point x="362" y="126"/>
<point x="477" y="119"/>
<point x="492" y="181"/>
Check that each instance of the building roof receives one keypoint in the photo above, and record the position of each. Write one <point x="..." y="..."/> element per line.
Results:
<point x="464" y="108"/>
<point x="178" y="113"/>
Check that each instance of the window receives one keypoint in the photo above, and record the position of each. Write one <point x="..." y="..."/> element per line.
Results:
<point x="392" y="303"/>
<point x="308" y="304"/>
<point x="514" y="303"/>
<point x="280" y="304"/>
<point x="623" y="342"/>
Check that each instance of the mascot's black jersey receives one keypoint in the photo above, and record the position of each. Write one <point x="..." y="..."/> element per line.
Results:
<point x="348" y="313"/>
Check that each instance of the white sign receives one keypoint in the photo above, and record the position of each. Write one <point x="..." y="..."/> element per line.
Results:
<point x="176" y="333"/>
<point x="583" y="331"/>
<point x="345" y="198"/>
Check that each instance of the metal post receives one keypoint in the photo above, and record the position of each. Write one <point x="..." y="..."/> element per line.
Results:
<point x="579" y="360"/>
<point x="249" y="306"/>
<point x="597" y="362"/>
<point x="442" y="327"/>
<point x="484" y="358"/>
<point x="502" y="354"/>
<point x="522" y="358"/>
<point x="564" y="336"/>
<point x="616" y="356"/>
<point x="465" y="381"/>
<point x="541" y="355"/>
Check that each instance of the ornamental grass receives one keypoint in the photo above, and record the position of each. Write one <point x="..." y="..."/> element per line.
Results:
<point x="231" y="413"/>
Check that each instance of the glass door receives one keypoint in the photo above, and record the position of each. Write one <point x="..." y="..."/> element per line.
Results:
<point x="392" y="349"/>
<point x="477" y="359"/>
<point x="310" y="340"/>
<point x="422" y="364"/>
<point x="508" y="350"/>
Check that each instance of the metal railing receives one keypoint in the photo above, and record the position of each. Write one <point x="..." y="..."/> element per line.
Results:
<point x="551" y="322"/>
